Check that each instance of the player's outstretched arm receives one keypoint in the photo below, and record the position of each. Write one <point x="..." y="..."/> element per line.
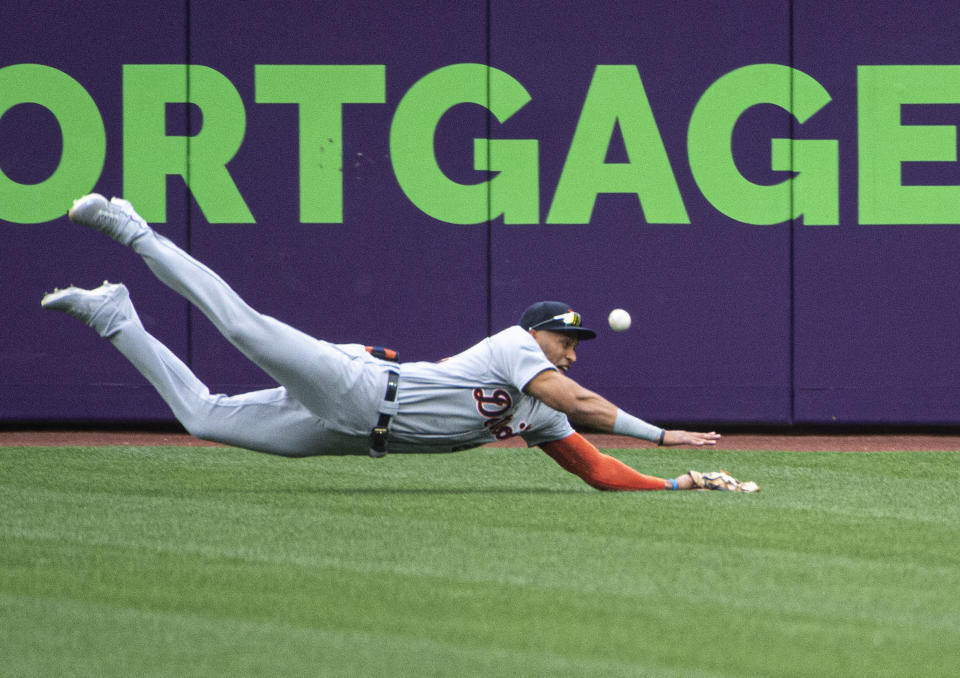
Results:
<point x="580" y="457"/>
<point x="588" y="409"/>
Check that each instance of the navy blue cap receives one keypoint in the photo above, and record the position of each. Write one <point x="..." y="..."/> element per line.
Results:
<point x="556" y="317"/>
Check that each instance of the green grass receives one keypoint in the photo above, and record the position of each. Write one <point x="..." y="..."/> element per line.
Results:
<point x="165" y="561"/>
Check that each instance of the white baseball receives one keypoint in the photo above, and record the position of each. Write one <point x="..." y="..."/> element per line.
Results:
<point x="619" y="320"/>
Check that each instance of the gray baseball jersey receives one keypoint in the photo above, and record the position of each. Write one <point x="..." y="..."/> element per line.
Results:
<point x="475" y="397"/>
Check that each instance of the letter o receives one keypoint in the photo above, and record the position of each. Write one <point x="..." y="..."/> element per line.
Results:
<point x="84" y="142"/>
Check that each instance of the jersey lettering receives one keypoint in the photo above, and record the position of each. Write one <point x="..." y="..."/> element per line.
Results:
<point x="495" y="408"/>
<point x="495" y="405"/>
<point x="501" y="429"/>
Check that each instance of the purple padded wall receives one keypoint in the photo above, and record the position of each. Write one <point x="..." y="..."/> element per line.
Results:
<point x="786" y="323"/>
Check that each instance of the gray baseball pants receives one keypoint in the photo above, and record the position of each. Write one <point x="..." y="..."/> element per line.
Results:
<point x="328" y="394"/>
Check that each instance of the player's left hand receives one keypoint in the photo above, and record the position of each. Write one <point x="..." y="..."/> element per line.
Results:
<point x="720" y="480"/>
<point x="673" y="438"/>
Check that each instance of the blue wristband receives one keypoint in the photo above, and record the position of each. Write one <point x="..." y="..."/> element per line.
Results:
<point x="674" y="481"/>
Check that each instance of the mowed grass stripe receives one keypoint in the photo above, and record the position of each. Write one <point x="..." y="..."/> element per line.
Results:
<point x="537" y="558"/>
<point x="112" y="643"/>
<point x="560" y="630"/>
<point x="497" y="552"/>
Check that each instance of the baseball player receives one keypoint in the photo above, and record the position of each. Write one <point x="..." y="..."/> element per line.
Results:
<point x="353" y="399"/>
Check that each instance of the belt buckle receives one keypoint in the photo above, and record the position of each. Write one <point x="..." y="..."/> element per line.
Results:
<point x="378" y="442"/>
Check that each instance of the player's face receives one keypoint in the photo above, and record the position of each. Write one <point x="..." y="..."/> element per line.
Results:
<point x="559" y="347"/>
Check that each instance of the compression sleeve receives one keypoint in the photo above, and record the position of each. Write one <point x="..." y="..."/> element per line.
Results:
<point x="628" y="425"/>
<point x="578" y="456"/>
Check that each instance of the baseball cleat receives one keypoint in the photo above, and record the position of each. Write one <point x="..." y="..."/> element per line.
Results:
<point x="116" y="218"/>
<point x="105" y="308"/>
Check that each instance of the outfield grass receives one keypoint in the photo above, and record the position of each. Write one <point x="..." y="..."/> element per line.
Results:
<point x="168" y="561"/>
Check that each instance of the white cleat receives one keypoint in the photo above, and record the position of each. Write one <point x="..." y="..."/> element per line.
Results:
<point x="116" y="218"/>
<point x="106" y="309"/>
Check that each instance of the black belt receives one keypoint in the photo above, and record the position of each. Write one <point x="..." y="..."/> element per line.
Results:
<point x="378" y="436"/>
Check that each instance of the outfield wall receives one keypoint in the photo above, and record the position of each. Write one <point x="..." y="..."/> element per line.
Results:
<point x="643" y="160"/>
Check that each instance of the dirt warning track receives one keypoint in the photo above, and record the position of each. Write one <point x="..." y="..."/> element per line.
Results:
<point x="800" y="442"/>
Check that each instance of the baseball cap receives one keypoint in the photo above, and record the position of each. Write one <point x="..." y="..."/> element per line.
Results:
<point x="555" y="316"/>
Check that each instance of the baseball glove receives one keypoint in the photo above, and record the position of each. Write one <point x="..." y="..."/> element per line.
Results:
<point x="721" y="480"/>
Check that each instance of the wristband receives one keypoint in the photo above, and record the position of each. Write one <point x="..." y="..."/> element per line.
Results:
<point x="674" y="481"/>
<point x="628" y="425"/>
<point x="660" y="441"/>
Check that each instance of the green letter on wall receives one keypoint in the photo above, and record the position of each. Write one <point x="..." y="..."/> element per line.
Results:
<point x="813" y="192"/>
<point x="885" y="144"/>
<point x="149" y="155"/>
<point x="321" y="92"/>
<point x="84" y="143"/>
<point x="616" y="94"/>
<point x="513" y="192"/>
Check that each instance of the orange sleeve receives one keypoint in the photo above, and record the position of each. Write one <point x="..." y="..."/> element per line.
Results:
<point x="578" y="456"/>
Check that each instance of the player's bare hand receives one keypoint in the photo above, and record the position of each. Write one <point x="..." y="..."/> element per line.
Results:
<point x="674" y="438"/>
